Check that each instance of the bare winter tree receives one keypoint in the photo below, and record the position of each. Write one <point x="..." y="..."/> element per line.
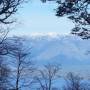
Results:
<point x="47" y="75"/>
<point x="3" y="38"/>
<point x="75" y="82"/>
<point x="4" y="75"/>
<point x="22" y="66"/>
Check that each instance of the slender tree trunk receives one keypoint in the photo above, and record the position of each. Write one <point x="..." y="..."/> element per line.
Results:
<point x="17" y="81"/>
<point x="18" y="75"/>
<point x="49" y="88"/>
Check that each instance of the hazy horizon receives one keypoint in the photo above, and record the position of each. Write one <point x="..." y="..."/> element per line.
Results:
<point x="36" y="17"/>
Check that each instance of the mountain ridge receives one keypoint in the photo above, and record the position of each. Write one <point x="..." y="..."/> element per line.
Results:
<point x="69" y="51"/>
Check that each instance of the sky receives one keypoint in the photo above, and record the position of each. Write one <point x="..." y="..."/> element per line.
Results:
<point x="37" y="17"/>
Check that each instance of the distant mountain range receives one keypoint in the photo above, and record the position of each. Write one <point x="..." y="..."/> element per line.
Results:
<point x="70" y="51"/>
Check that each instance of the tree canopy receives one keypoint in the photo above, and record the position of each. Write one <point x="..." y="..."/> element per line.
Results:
<point x="79" y="12"/>
<point x="7" y="9"/>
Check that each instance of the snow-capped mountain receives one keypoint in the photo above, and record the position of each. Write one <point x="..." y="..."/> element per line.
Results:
<point x="69" y="51"/>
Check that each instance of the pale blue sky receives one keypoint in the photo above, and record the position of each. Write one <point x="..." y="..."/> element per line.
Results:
<point x="38" y="17"/>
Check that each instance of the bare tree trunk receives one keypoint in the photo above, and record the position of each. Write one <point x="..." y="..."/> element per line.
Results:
<point x="17" y="81"/>
<point x="49" y="88"/>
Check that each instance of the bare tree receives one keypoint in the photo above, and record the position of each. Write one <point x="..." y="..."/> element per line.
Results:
<point x="47" y="75"/>
<point x="75" y="82"/>
<point x="4" y="75"/>
<point x="22" y="66"/>
<point x="3" y="38"/>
